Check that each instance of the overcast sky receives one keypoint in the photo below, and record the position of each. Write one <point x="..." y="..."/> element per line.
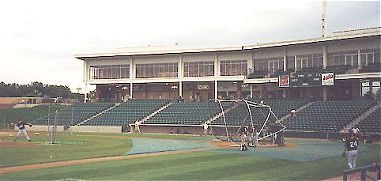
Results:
<point x="38" y="38"/>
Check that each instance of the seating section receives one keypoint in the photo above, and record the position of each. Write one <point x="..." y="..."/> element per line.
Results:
<point x="257" y="74"/>
<point x="320" y="116"/>
<point x="283" y="107"/>
<point x="187" y="113"/>
<point x="74" y="114"/>
<point x="240" y="113"/>
<point x="373" y="67"/>
<point x="310" y="70"/>
<point x="235" y="114"/>
<point x="339" y="69"/>
<point x="281" y="72"/>
<point x="327" y="116"/>
<point x="372" y="123"/>
<point x="127" y="113"/>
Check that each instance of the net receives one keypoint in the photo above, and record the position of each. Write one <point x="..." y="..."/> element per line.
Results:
<point x="257" y="120"/>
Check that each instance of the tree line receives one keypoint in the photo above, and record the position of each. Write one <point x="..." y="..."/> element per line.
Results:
<point x="36" y="89"/>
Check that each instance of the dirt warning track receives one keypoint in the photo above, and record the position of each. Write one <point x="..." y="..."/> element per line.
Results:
<point x="12" y="169"/>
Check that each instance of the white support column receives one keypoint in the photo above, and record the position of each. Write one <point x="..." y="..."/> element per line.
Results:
<point x="215" y="89"/>
<point x="85" y="100"/>
<point x="132" y="76"/>
<point x="85" y="78"/>
<point x="216" y="74"/>
<point x="284" y="59"/>
<point x="296" y="64"/>
<point x="250" y="65"/>
<point x="85" y="70"/>
<point x="253" y="59"/>
<point x="181" y="75"/>
<point x="325" y="64"/>
<point x="359" y="59"/>
<point x="251" y="90"/>
<point x="325" y="57"/>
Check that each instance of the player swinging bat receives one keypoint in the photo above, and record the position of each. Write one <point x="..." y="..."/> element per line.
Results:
<point x="22" y="129"/>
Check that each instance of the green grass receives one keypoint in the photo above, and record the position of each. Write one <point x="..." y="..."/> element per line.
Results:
<point x="28" y="114"/>
<point x="207" y="165"/>
<point x="69" y="147"/>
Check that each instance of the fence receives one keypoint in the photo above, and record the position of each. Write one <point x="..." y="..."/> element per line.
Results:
<point x="364" y="172"/>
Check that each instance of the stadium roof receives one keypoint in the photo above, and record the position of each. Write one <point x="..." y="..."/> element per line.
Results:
<point x="160" y="50"/>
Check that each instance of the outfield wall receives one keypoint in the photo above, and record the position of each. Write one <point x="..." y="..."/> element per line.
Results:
<point x="90" y="129"/>
<point x="183" y="129"/>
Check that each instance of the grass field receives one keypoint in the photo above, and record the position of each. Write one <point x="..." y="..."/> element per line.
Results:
<point x="212" y="164"/>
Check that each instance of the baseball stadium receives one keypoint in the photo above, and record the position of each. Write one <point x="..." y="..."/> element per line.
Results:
<point x="273" y="111"/>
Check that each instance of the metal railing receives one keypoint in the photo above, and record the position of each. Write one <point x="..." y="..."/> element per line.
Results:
<point x="363" y="170"/>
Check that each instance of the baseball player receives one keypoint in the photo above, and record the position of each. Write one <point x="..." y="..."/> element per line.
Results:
<point x="206" y="126"/>
<point x="22" y="129"/>
<point x="255" y="137"/>
<point x="350" y="149"/>
<point x="244" y="139"/>
<point x="137" y="127"/>
<point x="252" y="137"/>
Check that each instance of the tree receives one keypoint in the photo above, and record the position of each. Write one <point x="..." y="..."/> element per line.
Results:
<point x="35" y="89"/>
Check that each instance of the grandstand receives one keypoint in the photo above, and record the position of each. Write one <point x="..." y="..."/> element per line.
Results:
<point x="324" y="79"/>
<point x="372" y="123"/>
<point x="316" y="116"/>
<point x="237" y="112"/>
<point x="327" y="116"/>
<point x="186" y="113"/>
<point x="73" y="114"/>
<point x="127" y="113"/>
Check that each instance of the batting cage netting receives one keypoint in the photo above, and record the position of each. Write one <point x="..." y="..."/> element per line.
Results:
<point x="238" y="116"/>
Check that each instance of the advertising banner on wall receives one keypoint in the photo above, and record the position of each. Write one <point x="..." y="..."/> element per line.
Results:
<point x="327" y="79"/>
<point x="284" y="81"/>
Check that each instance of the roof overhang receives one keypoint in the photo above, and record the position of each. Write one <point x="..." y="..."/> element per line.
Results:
<point x="175" y="50"/>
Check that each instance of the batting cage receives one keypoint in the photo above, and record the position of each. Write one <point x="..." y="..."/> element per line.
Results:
<point x="238" y="118"/>
<point x="57" y="119"/>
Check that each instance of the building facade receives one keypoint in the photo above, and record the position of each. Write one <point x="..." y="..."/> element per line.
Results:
<point x="239" y="72"/>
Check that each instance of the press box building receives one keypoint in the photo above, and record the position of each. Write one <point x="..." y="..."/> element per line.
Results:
<point x="286" y="69"/>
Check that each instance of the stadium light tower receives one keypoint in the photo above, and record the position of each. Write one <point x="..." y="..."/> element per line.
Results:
<point x="324" y="18"/>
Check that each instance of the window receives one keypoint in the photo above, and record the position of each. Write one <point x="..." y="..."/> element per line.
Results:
<point x="343" y="58"/>
<point x="157" y="70"/>
<point x="198" y="69"/>
<point x="377" y="56"/>
<point x="275" y="65"/>
<point x="233" y="67"/>
<point x="260" y="65"/>
<point x="109" y="72"/>
<point x="369" y="56"/>
<point x="309" y="61"/>
<point x="291" y="62"/>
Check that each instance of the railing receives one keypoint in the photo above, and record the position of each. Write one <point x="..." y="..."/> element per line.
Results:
<point x="364" y="176"/>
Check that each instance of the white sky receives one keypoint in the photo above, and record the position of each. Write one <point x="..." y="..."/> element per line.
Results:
<point x="39" y="38"/>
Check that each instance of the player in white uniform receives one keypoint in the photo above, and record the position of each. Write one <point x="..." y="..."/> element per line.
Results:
<point x="206" y="129"/>
<point x="137" y="127"/>
<point x="22" y="129"/>
<point x="244" y="140"/>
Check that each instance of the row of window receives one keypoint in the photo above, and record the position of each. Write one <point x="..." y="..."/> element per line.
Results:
<point x="157" y="70"/>
<point x="191" y="69"/>
<point x="367" y="57"/>
<point x="198" y="69"/>
<point x="273" y="64"/>
<point x="110" y="71"/>
<point x="235" y="68"/>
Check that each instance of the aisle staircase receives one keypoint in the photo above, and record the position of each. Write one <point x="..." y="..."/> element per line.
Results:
<point x="99" y="114"/>
<point x="362" y="116"/>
